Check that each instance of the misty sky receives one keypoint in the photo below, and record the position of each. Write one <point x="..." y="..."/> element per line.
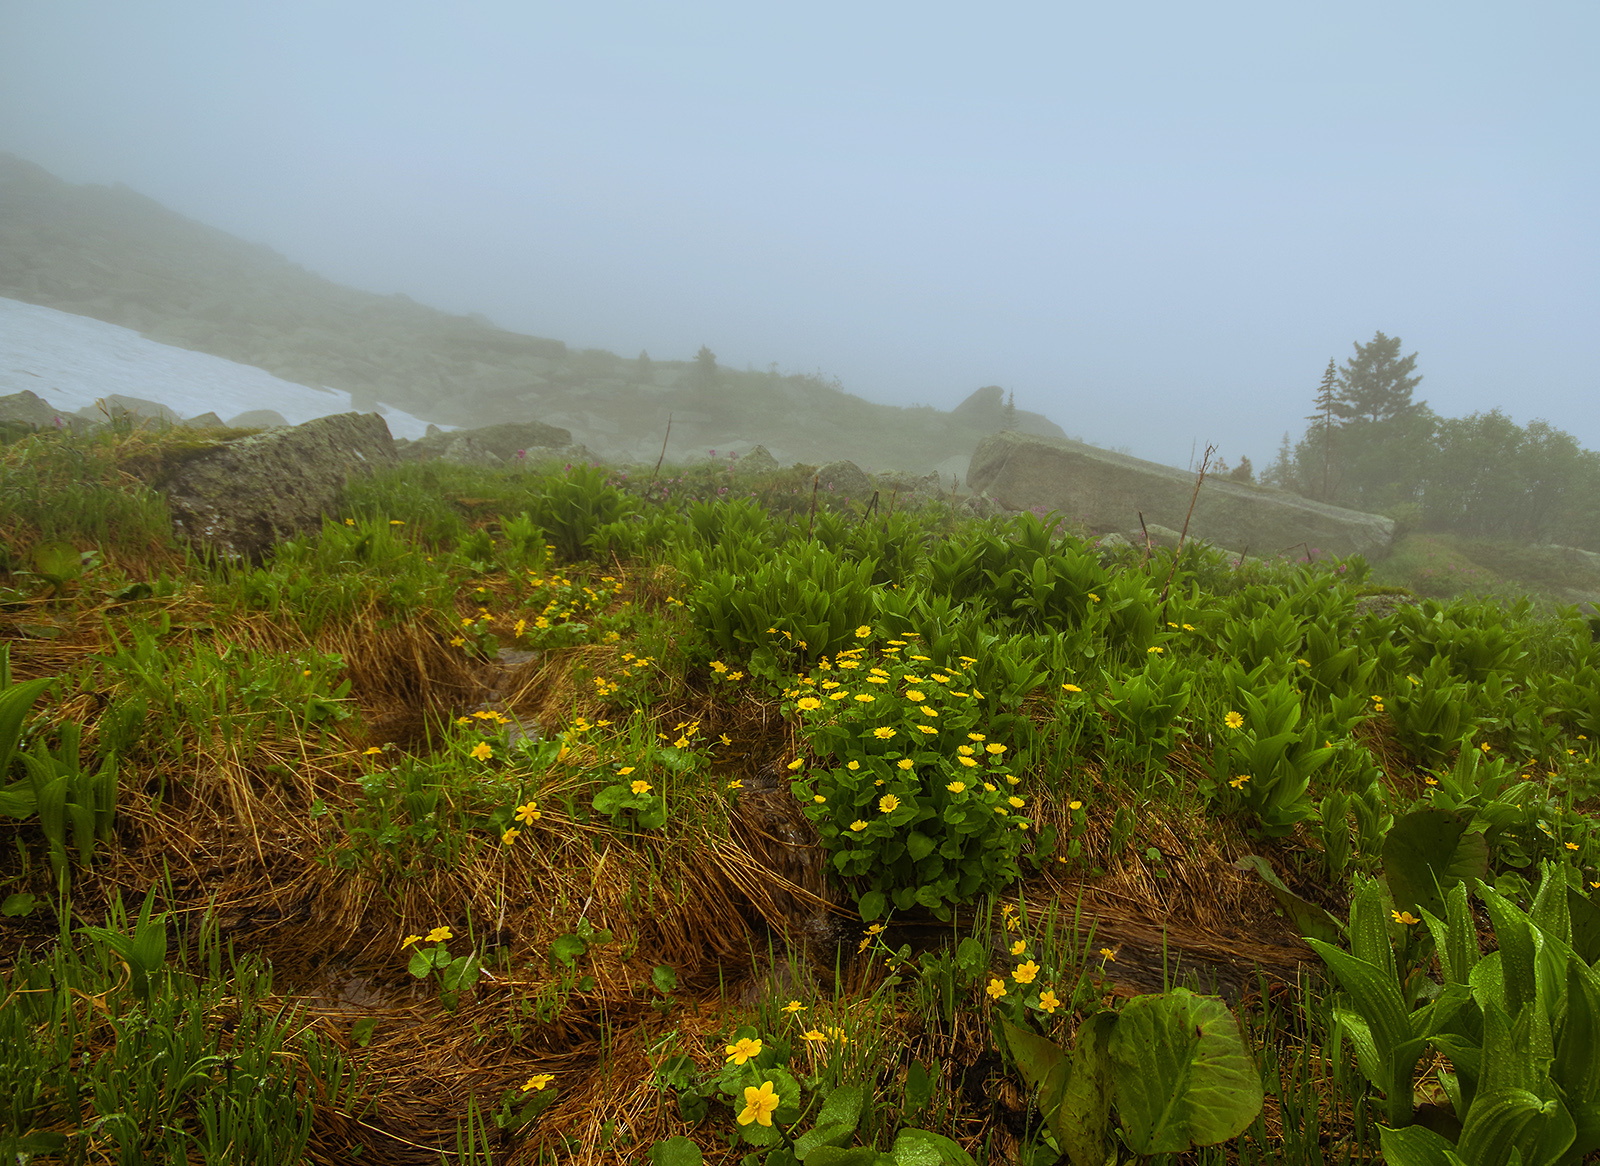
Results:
<point x="1154" y="222"/>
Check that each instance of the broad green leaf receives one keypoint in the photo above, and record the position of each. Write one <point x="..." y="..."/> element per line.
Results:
<point x="914" y="1147"/>
<point x="1182" y="1074"/>
<point x="871" y="905"/>
<point x="1416" y="1146"/>
<point x="675" y="1151"/>
<point x="1081" y="1118"/>
<point x="1514" y="1121"/>
<point x="1306" y="917"/>
<point x="1426" y="853"/>
<point x="1037" y="1056"/>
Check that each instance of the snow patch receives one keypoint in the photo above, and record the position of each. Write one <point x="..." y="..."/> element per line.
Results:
<point x="71" y="361"/>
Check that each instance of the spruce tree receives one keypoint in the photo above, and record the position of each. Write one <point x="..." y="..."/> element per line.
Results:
<point x="1375" y="385"/>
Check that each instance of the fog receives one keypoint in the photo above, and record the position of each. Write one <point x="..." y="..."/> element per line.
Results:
<point x="1153" y="223"/>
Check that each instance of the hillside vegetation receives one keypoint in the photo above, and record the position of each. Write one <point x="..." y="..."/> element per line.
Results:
<point x="112" y="254"/>
<point x="549" y="817"/>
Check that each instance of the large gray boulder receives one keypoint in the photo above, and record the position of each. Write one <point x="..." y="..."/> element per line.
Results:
<point x="242" y="496"/>
<point x="1108" y="491"/>
<point x="28" y="410"/>
<point x="490" y="444"/>
<point x="846" y="481"/>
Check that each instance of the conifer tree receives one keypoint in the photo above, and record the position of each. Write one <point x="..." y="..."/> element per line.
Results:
<point x="1375" y="385"/>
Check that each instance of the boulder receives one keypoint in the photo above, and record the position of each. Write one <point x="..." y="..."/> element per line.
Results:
<point x="758" y="461"/>
<point x="1108" y="491"/>
<point x="205" y="421"/>
<point x="845" y="480"/>
<point x="135" y="409"/>
<point x="28" y="410"/>
<point x="909" y="488"/>
<point x="258" y="419"/>
<point x="489" y="444"/>
<point x="240" y="497"/>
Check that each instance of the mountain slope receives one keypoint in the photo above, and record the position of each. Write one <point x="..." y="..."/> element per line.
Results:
<point x="114" y="255"/>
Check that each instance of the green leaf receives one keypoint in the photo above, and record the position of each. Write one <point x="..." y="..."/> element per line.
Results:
<point x="1307" y="917"/>
<point x="914" y="1147"/>
<point x="829" y="1133"/>
<point x="1426" y="853"/>
<point x="567" y="948"/>
<point x="1416" y="1146"/>
<point x="675" y="1151"/>
<point x="1037" y="1056"/>
<point x="843" y="1105"/>
<point x="833" y="1156"/>
<point x="1081" y="1118"/>
<point x="1182" y="1074"/>
<point x="1513" y="1121"/>
<point x="871" y="905"/>
<point x="664" y="978"/>
<point x="59" y="562"/>
<point x="919" y="845"/>
<point x="361" y="1030"/>
<point x="20" y="903"/>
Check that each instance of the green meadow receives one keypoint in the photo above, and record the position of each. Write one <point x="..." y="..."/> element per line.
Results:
<point x="585" y="815"/>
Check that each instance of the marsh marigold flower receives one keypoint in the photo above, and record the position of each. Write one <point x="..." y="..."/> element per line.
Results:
<point x="1025" y="972"/>
<point x="888" y="803"/>
<point x="742" y="1050"/>
<point x="640" y="787"/>
<point x="529" y="814"/>
<point x="996" y="989"/>
<point x="807" y="703"/>
<point x="1019" y="947"/>
<point x="1048" y="1002"/>
<point x="1405" y="917"/>
<point x="915" y="696"/>
<point x="956" y="787"/>
<point x="794" y="1006"/>
<point x="511" y="835"/>
<point x="883" y="732"/>
<point x="759" y="1104"/>
<point x="440" y="934"/>
<point x="537" y="1081"/>
<point x="858" y="825"/>
<point x="482" y="751"/>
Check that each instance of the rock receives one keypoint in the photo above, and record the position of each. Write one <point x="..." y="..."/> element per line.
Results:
<point x="242" y="496"/>
<point x="845" y="480"/>
<point x="909" y="489"/>
<point x="29" y="410"/>
<point x="258" y="419"/>
<point x="205" y="421"/>
<point x="1108" y="491"/>
<point x="758" y="461"/>
<point x="135" y="409"/>
<point x="488" y="444"/>
<point x="1113" y="542"/>
<point x="433" y="431"/>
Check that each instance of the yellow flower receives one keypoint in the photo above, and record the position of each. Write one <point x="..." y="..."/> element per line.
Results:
<point x="940" y="679"/>
<point x="349" y="522"/>
<point x="1107" y="954"/>
<point x="888" y="804"/>
<point x="482" y="751"/>
<point x="743" y="1050"/>
<point x="1430" y="780"/>
<point x="640" y="787"/>
<point x="511" y="835"/>
<point x="819" y="799"/>
<point x="625" y="770"/>
<point x="852" y="765"/>
<point x="1484" y="746"/>
<point x="1074" y="805"/>
<point x="1048" y="1002"/>
<point x="529" y="814"/>
<point x="440" y="934"/>
<point x="865" y="697"/>
<point x="1157" y="650"/>
<point x="758" y="1104"/>
<point x="858" y="825"/>
<point x="807" y="703"/>
<point x="456" y="641"/>
<point x="1070" y="688"/>
<point x="1572" y="846"/>
<point x="537" y="1081"/>
<point x="906" y="763"/>
<point x="1019" y="947"/>
<point x="794" y="1006"/>
<point x="1013" y="779"/>
<point x="373" y="750"/>
<point x="395" y="522"/>
<point x="1016" y="802"/>
<point x="928" y="712"/>
<point x="994" y="747"/>
<point x="797" y="763"/>
<point x="736" y="784"/>
<point x="916" y="696"/>
<point x="1233" y="720"/>
<point x="812" y="1035"/>
<point x="996" y="989"/>
<point x="956" y="787"/>
<point x="1025" y="972"/>
<point x="968" y="762"/>
<point x="1093" y="598"/>
<point x="409" y="940"/>
<point x="1241" y="781"/>
<point x="883" y="732"/>
<point x="964" y="750"/>
<point x="863" y="631"/>
<point x="1405" y="917"/>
